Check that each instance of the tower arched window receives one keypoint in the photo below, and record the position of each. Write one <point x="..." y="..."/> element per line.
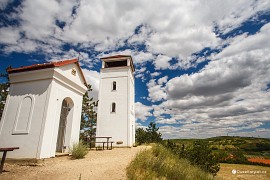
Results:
<point x="114" y="86"/>
<point x="113" y="107"/>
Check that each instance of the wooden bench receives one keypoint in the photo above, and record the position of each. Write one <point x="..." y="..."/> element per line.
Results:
<point x="5" y="150"/>
<point x="103" y="145"/>
<point x="92" y="140"/>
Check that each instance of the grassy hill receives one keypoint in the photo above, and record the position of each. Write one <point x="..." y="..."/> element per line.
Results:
<point x="250" y="146"/>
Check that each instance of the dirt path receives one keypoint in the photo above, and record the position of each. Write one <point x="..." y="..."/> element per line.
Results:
<point x="98" y="165"/>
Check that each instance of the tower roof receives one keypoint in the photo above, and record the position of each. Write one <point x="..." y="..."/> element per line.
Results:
<point x="119" y="57"/>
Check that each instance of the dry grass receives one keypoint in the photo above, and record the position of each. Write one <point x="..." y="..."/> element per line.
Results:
<point x="79" y="150"/>
<point x="159" y="163"/>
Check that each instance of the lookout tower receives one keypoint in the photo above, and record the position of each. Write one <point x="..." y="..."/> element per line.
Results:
<point x="116" y="111"/>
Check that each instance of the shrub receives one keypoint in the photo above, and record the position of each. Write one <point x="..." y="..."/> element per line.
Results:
<point x="160" y="163"/>
<point x="79" y="150"/>
<point x="200" y="154"/>
<point x="233" y="156"/>
<point x="141" y="136"/>
<point x="150" y="135"/>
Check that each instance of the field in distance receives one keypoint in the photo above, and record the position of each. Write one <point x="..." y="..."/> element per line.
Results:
<point x="252" y="147"/>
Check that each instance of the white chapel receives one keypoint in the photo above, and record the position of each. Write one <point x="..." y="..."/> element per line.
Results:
<point x="43" y="109"/>
<point x="116" y="109"/>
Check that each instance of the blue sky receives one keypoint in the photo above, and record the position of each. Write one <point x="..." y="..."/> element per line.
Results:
<point x="202" y="68"/>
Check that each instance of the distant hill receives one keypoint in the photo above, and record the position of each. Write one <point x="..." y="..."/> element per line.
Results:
<point x="251" y="146"/>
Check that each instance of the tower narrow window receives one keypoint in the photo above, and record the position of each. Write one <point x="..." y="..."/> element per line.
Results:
<point x="114" y="86"/>
<point x="113" y="107"/>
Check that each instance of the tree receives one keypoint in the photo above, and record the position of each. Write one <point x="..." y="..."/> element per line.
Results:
<point x="150" y="135"/>
<point x="3" y="93"/>
<point x="88" y="116"/>
<point x="141" y="136"/>
<point x="200" y="154"/>
<point x="153" y="134"/>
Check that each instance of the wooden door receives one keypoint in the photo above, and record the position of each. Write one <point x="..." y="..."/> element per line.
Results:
<point x="62" y="127"/>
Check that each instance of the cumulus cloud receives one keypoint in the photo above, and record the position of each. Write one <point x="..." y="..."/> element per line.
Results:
<point x="154" y="74"/>
<point x="138" y="57"/>
<point x="228" y="95"/>
<point x="188" y="27"/>
<point x="244" y="44"/>
<point x="162" y="80"/>
<point x="216" y="78"/>
<point x="9" y="35"/>
<point x="92" y="78"/>
<point x="162" y="62"/>
<point x="142" y="111"/>
<point x="4" y="3"/>
<point x="156" y="91"/>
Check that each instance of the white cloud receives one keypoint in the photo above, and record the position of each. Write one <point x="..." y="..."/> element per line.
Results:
<point x="4" y="3"/>
<point x="227" y="96"/>
<point x="216" y="78"/>
<point x="247" y="43"/>
<point x="9" y="35"/>
<point x="162" y="80"/>
<point x="138" y="57"/>
<point x="142" y="111"/>
<point x="187" y="28"/>
<point x="142" y="36"/>
<point x="92" y="78"/>
<point x="154" y="74"/>
<point x="156" y="91"/>
<point x="162" y="62"/>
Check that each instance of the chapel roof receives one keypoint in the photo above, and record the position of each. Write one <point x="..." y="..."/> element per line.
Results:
<point x="45" y="66"/>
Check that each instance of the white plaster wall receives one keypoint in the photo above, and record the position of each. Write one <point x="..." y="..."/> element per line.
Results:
<point x="48" y="88"/>
<point x="60" y="90"/>
<point x="28" y="143"/>
<point x="66" y="72"/>
<point x="58" y="94"/>
<point x="132" y="109"/>
<point x="118" y="124"/>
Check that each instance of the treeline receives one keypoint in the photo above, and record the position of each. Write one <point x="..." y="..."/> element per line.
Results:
<point x="150" y="135"/>
<point x="202" y="152"/>
<point x="235" y="156"/>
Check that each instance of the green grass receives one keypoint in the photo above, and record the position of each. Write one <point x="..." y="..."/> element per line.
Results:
<point x="251" y="146"/>
<point x="79" y="150"/>
<point x="160" y="163"/>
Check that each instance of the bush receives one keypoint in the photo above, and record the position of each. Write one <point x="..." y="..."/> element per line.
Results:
<point x="150" y="135"/>
<point x="79" y="150"/>
<point x="141" y="136"/>
<point x="233" y="156"/>
<point x="200" y="154"/>
<point x="160" y="163"/>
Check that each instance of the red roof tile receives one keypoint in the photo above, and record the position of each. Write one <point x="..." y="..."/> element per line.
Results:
<point x="45" y="66"/>
<point x="41" y="66"/>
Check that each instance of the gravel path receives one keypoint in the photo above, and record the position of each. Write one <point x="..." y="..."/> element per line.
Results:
<point x="98" y="165"/>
